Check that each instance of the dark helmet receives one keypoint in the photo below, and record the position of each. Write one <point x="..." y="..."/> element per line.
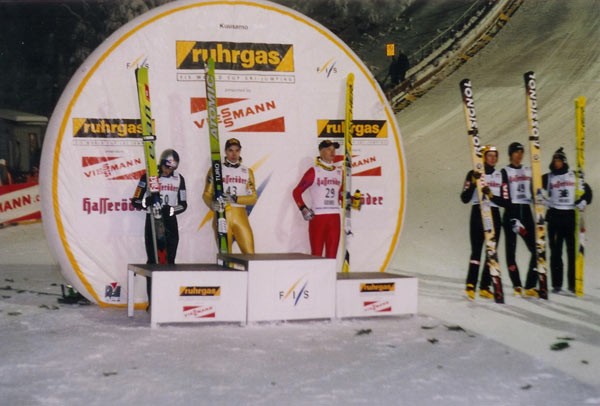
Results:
<point x="514" y="147"/>
<point x="560" y="154"/>
<point x="169" y="158"/>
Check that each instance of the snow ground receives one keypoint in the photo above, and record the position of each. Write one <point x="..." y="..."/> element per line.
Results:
<point x="454" y="352"/>
<point x="54" y="354"/>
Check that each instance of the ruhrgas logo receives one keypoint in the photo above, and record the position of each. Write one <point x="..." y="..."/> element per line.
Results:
<point x="236" y="56"/>
<point x="112" y="167"/>
<point x="241" y="115"/>
<point x="361" y="129"/>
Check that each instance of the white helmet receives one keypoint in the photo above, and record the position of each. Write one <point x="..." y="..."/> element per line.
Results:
<point x="169" y="158"/>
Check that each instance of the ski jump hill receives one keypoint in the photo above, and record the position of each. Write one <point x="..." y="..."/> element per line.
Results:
<point x="558" y="41"/>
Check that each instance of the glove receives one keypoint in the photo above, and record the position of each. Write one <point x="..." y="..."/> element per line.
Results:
<point x="307" y="213"/>
<point x="218" y="204"/>
<point x="581" y="205"/>
<point x="356" y="202"/>
<point x="518" y="227"/>
<point x="475" y="176"/>
<point x="228" y="198"/>
<point x="486" y="191"/>
<point x="168" y="211"/>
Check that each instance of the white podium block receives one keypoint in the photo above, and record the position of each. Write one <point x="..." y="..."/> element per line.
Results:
<point x="184" y="293"/>
<point x="287" y="286"/>
<point x="367" y="294"/>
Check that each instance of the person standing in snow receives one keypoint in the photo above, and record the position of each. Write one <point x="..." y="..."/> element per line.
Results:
<point x="518" y="219"/>
<point x="561" y="183"/>
<point x="240" y="192"/>
<point x="493" y="181"/>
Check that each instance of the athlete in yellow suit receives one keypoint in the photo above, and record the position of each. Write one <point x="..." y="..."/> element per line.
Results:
<point x="240" y="191"/>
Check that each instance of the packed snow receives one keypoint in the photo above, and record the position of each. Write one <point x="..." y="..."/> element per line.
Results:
<point x="453" y="352"/>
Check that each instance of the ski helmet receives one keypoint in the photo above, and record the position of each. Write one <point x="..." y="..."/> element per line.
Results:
<point x="514" y="147"/>
<point x="169" y="158"/>
<point x="489" y="148"/>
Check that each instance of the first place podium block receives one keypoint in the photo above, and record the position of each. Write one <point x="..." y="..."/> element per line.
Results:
<point x="286" y="286"/>
<point x="183" y="293"/>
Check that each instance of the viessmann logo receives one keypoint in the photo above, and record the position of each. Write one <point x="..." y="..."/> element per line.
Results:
<point x="361" y="128"/>
<point x="377" y="306"/>
<point x="112" y="167"/>
<point x="363" y="165"/>
<point x="199" y="312"/>
<point x="236" y="56"/>
<point x="185" y="291"/>
<point x="241" y="114"/>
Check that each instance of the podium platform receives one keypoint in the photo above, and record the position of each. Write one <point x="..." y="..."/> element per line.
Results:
<point x="366" y="294"/>
<point x="191" y="293"/>
<point x="287" y="286"/>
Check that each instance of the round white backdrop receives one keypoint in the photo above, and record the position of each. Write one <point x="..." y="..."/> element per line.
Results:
<point x="281" y="90"/>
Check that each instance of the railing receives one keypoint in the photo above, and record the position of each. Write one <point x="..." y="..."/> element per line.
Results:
<point x="449" y="50"/>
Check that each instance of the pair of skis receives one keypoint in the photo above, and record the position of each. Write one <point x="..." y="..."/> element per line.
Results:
<point x="536" y="173"/>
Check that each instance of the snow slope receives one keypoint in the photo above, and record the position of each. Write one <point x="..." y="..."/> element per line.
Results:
<point x="558" y="41"/>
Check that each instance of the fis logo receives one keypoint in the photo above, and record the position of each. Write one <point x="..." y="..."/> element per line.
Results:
<point x="297" y="291"/>
<point x="241" y="115"/>
<point x="112" y="292"/>
<point x="112" y="167"/>
<point x="360" y="129"/>
<point x="328" y="68"/>
<point x="235" y="56"/>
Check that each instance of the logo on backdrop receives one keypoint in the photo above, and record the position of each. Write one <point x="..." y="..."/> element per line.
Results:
<point x="237" y="57"/>
<point x="112" y="167"/>
<point x="241" y="115"/>
<point x="107" y="131"/>
<point x="363" y="165"/>
<point x="363" y="129"/>
<point x="112" y="292"/>
<point x="328" y="68"/>
<point x="106" y="205"/>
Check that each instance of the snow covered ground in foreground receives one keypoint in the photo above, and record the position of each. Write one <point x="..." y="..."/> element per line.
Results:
<point x="54" y="354"/>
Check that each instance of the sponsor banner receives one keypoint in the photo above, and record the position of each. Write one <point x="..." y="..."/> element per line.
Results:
<point x="19" y="202"/>
<point x="199" y="312"/>
<point x="236" y="56"/>
<point x="241" y="115"/>
<point x="275" y="82"/>
<point x="377" y="306"/>
<point x="363" y="129"/>
<point x="199" y="291"/>
<point x="378" y="287"/>
<point x="112" y="167"/>
<point x="107" y="131"/>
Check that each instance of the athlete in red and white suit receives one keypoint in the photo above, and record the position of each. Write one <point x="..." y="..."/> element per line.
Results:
<point x="324" y="183"/>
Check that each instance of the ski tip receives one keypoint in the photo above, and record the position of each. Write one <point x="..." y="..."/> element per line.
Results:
<point x="580" y="101"/>
<point x="529" y="74"/>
